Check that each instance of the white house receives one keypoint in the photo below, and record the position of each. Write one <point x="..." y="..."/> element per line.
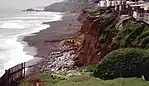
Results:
<point x="135" y="14"/>
<point x="107" y="3"/>
<point x="102" y="3"/>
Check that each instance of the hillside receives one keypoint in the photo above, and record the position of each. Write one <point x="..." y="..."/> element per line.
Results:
<point x="64" y="7"/>
<point x="103" y="31"/>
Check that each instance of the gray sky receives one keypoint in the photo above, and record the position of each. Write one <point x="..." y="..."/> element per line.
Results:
<point x="20" y="4"/>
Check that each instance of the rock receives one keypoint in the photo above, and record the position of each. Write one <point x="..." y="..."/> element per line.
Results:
<point x="29" y="9"/>
<point x="58" y="61"/>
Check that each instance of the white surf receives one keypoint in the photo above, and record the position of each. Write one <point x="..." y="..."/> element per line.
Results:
<point x="22" y="24"/>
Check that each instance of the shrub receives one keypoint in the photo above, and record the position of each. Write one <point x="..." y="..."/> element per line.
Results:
<point x="144" y="34"/>
<point x="130" y="35"/>
<point x="127" y="62"/>
<point x="145" y="42"/>
<point x="106" y="23"/>
<point x="147" y="46"/>
<point x="91" y="68"/>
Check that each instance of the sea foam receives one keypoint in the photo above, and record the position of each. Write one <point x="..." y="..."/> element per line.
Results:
<point x="11" y="48"/>
<point x="12" y="25"/>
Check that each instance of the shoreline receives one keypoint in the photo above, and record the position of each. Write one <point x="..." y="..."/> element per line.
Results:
<point x="48" y="40"/>
<point x="57" y="31"/>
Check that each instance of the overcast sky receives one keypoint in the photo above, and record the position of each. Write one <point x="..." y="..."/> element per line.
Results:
<point x="20" y="4"/>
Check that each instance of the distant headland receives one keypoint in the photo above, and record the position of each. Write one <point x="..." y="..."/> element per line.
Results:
<point x="31" y="9"/>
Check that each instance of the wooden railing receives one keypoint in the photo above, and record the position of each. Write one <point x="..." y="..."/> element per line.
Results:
<point x="13" y="75"/>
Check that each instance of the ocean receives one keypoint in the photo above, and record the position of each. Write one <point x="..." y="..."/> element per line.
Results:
<point x="16" y="24"/>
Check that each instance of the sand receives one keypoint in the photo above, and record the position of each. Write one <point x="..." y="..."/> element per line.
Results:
<point x="47" y="41"/>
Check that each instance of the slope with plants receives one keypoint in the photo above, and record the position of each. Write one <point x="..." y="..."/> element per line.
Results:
<point x="103" y="32"/>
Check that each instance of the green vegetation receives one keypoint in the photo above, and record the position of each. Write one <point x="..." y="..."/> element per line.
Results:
<point x="129" y="62"/>
<point x="77" y="78"/>
<point x="92" y="81"/>
<point x="133" y="34"/>
<point x="105" y="25"/>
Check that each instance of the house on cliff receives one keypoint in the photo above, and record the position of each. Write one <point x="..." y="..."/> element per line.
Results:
<point x="139" y="10"/>
<point x="107" y="3"/>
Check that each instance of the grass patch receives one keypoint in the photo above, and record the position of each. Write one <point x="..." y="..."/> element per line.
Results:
<point x="87" y="80"/>
<point x="84" y="80"/>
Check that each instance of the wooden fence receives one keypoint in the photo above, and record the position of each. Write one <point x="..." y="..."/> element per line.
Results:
<point x="13" y="75"/>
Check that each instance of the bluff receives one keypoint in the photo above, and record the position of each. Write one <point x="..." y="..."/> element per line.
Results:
<point x="95" y="35"/>
<point x="103" y="31"/>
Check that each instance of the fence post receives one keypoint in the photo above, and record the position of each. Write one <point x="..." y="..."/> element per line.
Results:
<point x="24" y="70"/>
<point x="13" y="75"/>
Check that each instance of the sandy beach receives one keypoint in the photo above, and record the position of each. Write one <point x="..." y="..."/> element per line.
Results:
<point x="47" y="41"/>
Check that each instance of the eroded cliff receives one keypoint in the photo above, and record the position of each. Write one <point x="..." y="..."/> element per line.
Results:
<point x="95" y="35"/>
<point x="101" y="33"/>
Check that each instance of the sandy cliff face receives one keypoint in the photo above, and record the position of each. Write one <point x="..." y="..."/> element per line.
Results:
<point x="104" y="31"/>
<point x="89" y="30"/>
<point x="90" y="45"/>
